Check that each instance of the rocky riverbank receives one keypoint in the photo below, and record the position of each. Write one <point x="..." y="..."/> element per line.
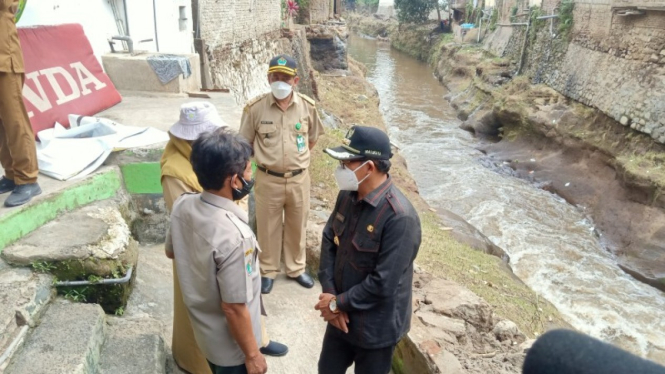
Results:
<point x="472" y="315"/>
<point x="612" y="172"/>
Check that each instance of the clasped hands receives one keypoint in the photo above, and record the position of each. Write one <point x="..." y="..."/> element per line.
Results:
<point x="339" y="320"/>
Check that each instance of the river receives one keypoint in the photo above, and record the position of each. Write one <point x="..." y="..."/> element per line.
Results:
<point x="551" y="244"/>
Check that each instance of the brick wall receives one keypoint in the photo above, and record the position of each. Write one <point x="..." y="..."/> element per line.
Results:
<point x="231" y="22"/>
<point x="240" y="37"/>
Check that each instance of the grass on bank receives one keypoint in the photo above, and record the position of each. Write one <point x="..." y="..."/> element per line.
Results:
<point x="440" y="254"/>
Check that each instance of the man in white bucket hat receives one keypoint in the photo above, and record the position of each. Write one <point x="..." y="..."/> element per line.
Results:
<point x="178" y="177"/>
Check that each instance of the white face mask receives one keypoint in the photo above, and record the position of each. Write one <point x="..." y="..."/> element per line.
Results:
<point x="346" y="178"/>
<point x="281" y="90"/>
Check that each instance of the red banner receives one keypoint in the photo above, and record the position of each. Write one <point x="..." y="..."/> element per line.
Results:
<point x="62" y="76"/>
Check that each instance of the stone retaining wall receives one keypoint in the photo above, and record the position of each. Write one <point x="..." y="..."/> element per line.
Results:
<point x="613" y="63"/>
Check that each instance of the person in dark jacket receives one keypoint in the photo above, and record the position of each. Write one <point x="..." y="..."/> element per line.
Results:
<point x="367" y="252"/>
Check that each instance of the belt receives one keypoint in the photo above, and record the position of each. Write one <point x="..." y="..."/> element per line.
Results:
<point x="288" y="174"/>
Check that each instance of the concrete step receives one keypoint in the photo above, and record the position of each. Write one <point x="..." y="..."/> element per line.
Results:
<point x="57" y="197"/>
<point x="23" y="296"/>
<point x="67" y="341"/>
<point x="133" y="346"/>
<point x="92" y="243"/>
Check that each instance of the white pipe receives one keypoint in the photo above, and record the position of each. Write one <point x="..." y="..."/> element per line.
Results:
<point x="124" y="279"/>
<point x="14" y="344"/>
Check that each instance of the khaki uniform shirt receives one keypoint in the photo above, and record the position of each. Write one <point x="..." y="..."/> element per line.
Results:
<point x="216" y="259"/>
<point x="281" y="138"/>
<point x="11" y="58"/>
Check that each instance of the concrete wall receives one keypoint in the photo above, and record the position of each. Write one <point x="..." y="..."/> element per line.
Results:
<point x="613" y="63"/>
<point x="173" y="31"/>
<point x="99" y="22"/>
<point x="320" y="10"/>
<point x="141" y="24"/>
<point x="174" y="26"/>
<point x="132" y="73"/>
<point x="95" y="16"/>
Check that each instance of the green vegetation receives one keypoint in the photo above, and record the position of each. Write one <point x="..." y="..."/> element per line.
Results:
<point x="398" y="365"/>
<point x="536" y="24"/>
<point x="513" y="13"/>
<point x="43" y="266"/>
<point x="120" y="311"/>
<point x="95" y="279"/>
<point x="303" y="11"/>
<point x="494" y="18"/>
<point x="77" y="295"/>
<point x="566" y="18"/>
<point x="469" y="12"/>
<point x="435" y="56"/>
<point x="414" y="11"/>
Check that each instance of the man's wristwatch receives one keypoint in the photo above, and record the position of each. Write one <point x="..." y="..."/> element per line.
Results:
<point x="333" y="305"/>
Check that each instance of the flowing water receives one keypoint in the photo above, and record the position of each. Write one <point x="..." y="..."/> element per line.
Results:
<point x="552" y="245"/>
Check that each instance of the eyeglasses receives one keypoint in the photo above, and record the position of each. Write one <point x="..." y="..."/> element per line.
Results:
<point x="347" y="164"/>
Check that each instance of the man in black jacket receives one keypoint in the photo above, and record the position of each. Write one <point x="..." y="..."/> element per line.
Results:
<point x="367" y="253"/>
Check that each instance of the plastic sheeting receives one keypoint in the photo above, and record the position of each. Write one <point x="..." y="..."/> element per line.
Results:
<point x="72" y="153"/>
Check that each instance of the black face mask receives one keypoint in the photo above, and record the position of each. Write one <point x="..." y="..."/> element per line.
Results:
<point x="238" y="194"/>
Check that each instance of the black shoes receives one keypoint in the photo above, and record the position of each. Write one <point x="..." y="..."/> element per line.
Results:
<point x="22" y="193"/>
<point x="274" y="349"/>
<point x="6" y="185"/>
<point x="266" y="285"/>
<point x="305" y="280"/>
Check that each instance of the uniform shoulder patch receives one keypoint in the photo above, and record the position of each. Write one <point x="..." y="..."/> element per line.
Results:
<point x="254" y="101"/>
<point x="307" y="98"/>
<point x="244" y="229"/>
<point x="393" y="198"/>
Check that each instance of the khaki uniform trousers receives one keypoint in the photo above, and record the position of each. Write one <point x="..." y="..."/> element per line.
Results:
<point x="18" y="153"/>
<point x="282" y="208"/>
<point x="186" y="352"/>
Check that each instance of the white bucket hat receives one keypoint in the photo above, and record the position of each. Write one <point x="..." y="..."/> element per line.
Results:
<point x="196" y="118"/>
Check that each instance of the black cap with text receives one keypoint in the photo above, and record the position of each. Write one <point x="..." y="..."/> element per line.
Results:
<point x="361" y="143"/>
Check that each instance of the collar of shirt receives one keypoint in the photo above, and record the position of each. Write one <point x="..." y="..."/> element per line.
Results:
<point x="295" y="100"/>
<point x="373" y="198"/>
<point x="224" y="203"/>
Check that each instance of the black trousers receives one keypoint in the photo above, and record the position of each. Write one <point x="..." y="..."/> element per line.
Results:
<point x="240" y="369"/>
<point x="337" y="355"/>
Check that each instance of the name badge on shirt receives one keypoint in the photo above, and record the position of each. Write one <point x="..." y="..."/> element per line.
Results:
<point x="249" y="261"/>
<point x="266" y="122"/>
<point x="300" y="142"/>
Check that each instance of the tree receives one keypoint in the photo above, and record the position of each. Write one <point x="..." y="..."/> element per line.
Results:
<point x="414" y="11"/>
<point x="440" y="5"/>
